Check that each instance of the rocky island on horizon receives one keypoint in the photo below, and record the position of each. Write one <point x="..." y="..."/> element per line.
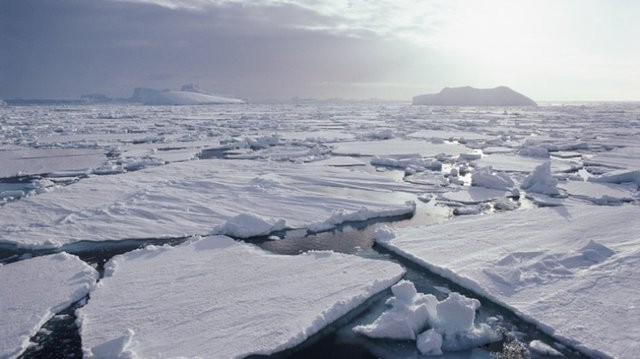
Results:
<point x="471" y="96"/>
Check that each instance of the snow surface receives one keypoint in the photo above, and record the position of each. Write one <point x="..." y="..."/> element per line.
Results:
<point x="33" y="291"/>
<point x="572" y="270"/>
<point x="199" y="197"/>
<point x="219" y="298"/>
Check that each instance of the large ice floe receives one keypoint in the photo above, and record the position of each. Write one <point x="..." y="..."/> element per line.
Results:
<point x="200" y="197"/>
<point x="32" y="161"/>
<point x="574" y="271"/>
<point x="33" y="291"/>
<point x="219" y="298"/>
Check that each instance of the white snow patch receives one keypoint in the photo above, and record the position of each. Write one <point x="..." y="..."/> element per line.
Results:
<point x="213" y="298"/>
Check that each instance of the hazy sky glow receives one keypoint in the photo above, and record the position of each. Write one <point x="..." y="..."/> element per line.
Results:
<point x="258" y="49"/>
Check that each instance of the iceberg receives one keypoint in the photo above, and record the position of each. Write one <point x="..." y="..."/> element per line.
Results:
<point x="188" y="95"/>
<point x="33" y="291"/>
<point x="215" y="297"/>
<point x="470" y="96"/>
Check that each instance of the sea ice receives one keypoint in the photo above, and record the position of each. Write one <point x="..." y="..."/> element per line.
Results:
<point x="485" y="177"/>
<point x="598" y="193"/>
<point x="514" y="163"/>
<point x="564" y="268"/>
<point x="39" y="161"/>
<point x="541" y="181"/>
<point x="620" y="176"/>
<point x="195" y="197"/>
<point x="33" y="291"/>
<point x="215" y="297"/>
<point x="543" y="349"/>
<point x="397" y="146"/>
<point x="474" y="195"/>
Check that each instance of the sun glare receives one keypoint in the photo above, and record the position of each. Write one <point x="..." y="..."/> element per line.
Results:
<point x="497" y="32"/>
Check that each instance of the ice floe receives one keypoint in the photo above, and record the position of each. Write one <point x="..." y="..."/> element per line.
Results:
<point x="514" y="163"/>
<point x="450" y="322"/>
<point x="33" y="291"/>
<point x="218" y="298"/>
<point x="396" y="146"/>
<point x="541" y="181"/>
<point x="598" y="193"/>
<point x="32" y="161"/>
<point x="574" y="271"/>
<point x="197" y="197"/>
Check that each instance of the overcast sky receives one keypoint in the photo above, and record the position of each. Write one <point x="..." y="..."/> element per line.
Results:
<point x="259" y="49"/>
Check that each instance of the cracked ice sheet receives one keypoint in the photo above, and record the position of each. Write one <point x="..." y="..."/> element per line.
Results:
<point x="34" y="161"/>
<point x="33" y="291"/>
<point x="183" y="199"/>
<point x="219" y="298"/>
<point x="575" y="271"/>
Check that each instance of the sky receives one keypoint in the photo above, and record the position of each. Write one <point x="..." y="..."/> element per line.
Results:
<point x="582" y="50"/>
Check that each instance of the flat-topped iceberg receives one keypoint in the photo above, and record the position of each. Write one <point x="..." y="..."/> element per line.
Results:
<point x="188" y="95"/>
<point x="217" y="298"/>
<point x="470" y="96"/>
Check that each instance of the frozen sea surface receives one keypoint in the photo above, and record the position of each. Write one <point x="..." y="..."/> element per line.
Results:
<point x="103" y="180"/>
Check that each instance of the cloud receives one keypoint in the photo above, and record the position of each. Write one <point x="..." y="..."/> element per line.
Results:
<point x="414" y="20"/>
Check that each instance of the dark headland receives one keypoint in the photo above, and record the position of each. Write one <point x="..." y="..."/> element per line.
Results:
<point x="470" y="96"/>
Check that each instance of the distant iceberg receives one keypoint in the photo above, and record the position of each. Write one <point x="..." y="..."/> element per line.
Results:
<point x="188" y="95"/>
<point x="470" y="96"/>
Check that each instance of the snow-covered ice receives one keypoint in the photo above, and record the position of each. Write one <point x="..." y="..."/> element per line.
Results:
<point x="215" y="297"/>
<point x="31" y="161"/>
<point x="173" y="171"/>
<point x="540" y="180"/>
<point x="572" y="270"/>
<point x="451" y="322"/>
<point x="33" y="291"/>
<point x="397" y="146"/>
<point x="598" y="193"/>
<point x="474" y="195"/>
<point x="199" y="197"/>
<point x="515" y="163"/>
